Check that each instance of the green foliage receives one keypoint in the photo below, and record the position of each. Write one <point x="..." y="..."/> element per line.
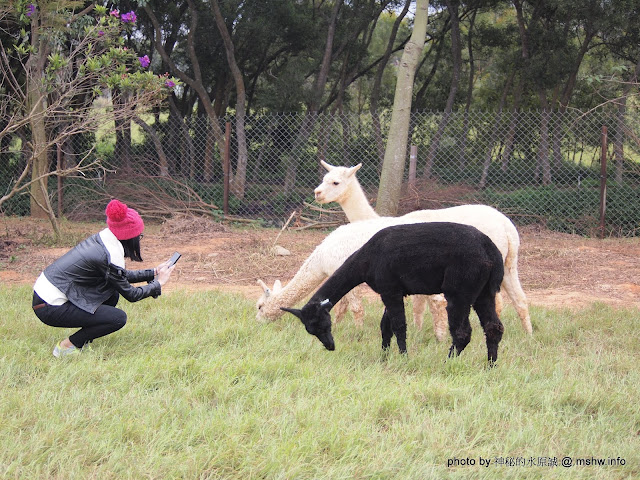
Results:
<point x="99" y="54"/>
<point x="193" y="387"/>
<point x="572" y="210"/>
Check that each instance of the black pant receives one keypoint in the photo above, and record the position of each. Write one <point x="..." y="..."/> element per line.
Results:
<point x="106" y="319"/>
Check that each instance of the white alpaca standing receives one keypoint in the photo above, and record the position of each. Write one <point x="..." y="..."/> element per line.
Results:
<point x="341" y="185"/>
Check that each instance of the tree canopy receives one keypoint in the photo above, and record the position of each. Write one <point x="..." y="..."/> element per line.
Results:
<point x="254" y="57"/>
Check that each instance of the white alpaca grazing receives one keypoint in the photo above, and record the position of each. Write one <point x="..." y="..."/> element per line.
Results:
<point x="327" y="257"/>
<point x="341" y="185"/>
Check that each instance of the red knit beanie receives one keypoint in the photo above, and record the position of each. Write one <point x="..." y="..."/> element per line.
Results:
<point x="124" y="222"/>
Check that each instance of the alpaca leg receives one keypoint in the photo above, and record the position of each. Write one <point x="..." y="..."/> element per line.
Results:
<point x="394" y="309"/>
<point x="511" y="284"/>
<point x="499" y="303"/>
<point x="493" y="329"/>
<point x="419" y="307"/>
<point x="339" y="310"/>
<point x="385" y="330"/>
<point x="438" y="308"/>
<point x="355" y="305"/>
<point x="459" y="326"/>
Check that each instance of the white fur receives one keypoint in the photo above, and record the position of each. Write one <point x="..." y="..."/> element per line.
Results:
<point x="341" y="185"/>
<point x="323" y="261"/>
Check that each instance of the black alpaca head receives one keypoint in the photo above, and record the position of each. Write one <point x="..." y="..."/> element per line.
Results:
<point x="316" y="319"/>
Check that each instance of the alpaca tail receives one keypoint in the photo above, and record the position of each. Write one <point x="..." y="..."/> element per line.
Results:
<point x="512" y="281"/>
<point x="497" y="272"/>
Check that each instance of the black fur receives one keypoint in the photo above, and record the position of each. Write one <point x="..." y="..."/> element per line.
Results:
<point x="423" y="258"/>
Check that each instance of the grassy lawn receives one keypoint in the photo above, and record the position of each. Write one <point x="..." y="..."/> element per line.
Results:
<point x="193" y="387"/>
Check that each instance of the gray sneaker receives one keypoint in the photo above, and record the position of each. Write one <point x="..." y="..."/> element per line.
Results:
<point x="60" y="351"/>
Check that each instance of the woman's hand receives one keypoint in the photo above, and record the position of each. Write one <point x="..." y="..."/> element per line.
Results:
<point x="164" y="272"/>
<point x="159" y="267"/>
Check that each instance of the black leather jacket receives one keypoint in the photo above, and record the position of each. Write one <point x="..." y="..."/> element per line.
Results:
<point x="86" y="277"/>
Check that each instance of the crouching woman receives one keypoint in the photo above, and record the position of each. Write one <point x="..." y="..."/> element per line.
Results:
<point x="81" y="288"/>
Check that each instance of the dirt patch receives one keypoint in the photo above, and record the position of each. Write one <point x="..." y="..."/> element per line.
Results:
<point x="555" y="269"/>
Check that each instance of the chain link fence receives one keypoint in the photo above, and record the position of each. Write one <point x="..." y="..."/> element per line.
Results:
<point x="536" y="167"/>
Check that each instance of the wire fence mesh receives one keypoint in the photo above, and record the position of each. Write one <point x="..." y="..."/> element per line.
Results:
<point x="536" y="167"/>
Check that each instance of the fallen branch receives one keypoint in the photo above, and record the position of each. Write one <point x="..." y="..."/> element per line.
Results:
<point x="283" y="228"/>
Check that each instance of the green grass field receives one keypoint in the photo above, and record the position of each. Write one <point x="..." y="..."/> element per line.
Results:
<point x="194" y="388"/>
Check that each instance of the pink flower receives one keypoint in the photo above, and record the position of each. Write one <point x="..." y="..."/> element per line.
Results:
<point x="129" y="17"/>
<point x="114" y="13"/>
<point x="169" y="84"/>
<point x="100" y="33"/>
<point x="31" y="9"/>
<point x="144" y="61"/>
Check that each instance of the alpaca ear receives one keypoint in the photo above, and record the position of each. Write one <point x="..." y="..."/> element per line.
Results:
<point x="277" y="286"/>
<point x="295" y="311"/>
<point x="326" y="165"/>
<point x="266" y="289"/>
<point x="353" y="170"/>
<point x="326" y="304"/>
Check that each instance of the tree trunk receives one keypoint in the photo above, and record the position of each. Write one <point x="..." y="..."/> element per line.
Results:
<point x="559" y="120"/>
<point x="238" y="180"/>
<point x="178" y="155"/>
<point x="494" y="131"/>
<point x="209" y="149"/>
<point x="308" y="123"/>
<point x="313" y="106"/>
<point x="621" y="124"/>
<point x="122" y="149"/>
<point x="544" y="165"/>
<point x="163" y="163"/>
<point x="456" y="51"/>
<point x="196" y="83"/>
<point x="40" y="159"/>
<point x="39" y="200"/>
<point x="377" y="82"/>
<point x="437" y="44"/>
<point x="36" y="110"/>
<point x="513" y="124"/>
<point x="472" y="72"/>
<point x="395" y="155"/>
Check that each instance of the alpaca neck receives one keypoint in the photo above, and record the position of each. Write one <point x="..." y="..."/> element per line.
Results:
<point x="303" y="283"/>
<point x="356" y="206"/>
<point x="345" y="279"/>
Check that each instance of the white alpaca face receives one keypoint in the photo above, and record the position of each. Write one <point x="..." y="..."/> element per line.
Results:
<point x="267" y="310"/>
<point x="335" y="183"/>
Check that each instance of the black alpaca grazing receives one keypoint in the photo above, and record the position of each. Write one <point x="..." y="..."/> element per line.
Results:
<point x="423" y="258"/>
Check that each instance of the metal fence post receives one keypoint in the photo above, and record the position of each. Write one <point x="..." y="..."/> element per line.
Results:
<point x="603" y="178"/>
<point x="413" y="160"/>
<point x="225" y="169"/>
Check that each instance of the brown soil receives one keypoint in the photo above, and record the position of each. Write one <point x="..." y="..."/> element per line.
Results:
<point x="555" y="269"/>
